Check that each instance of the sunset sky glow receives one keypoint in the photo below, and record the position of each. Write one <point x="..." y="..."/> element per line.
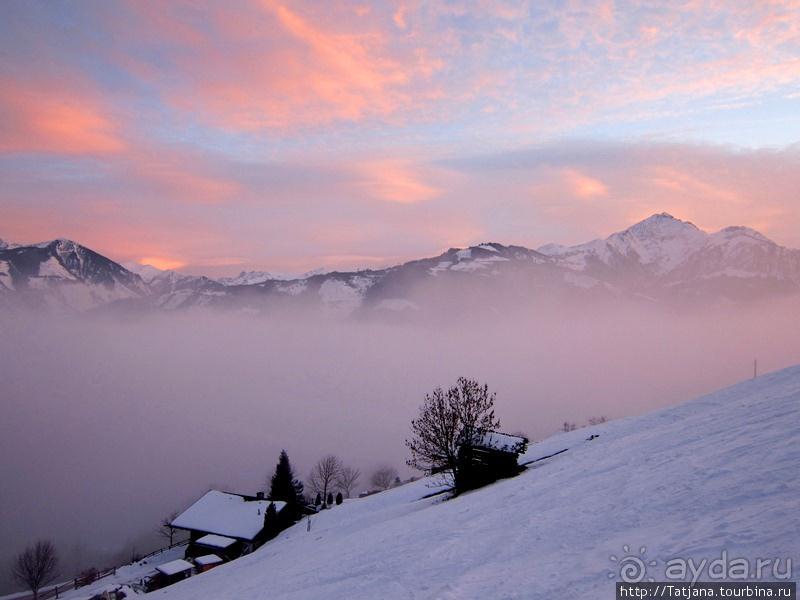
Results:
<point x="263" y="135"/>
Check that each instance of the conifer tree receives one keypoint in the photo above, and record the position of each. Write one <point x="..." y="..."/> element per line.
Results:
<point x="272" y="525"/>
<point x="286" y="488"/>
<point x="339" y="498"/>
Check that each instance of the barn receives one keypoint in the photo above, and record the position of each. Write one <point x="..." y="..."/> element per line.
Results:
<point x="491" y="456"/>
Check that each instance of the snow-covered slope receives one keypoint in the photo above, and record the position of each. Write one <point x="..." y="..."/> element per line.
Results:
<point x="253" y="277"/>
<point x="709" y="478"/>
<point x="170" y="290"/>
<point x="657" y="244"/>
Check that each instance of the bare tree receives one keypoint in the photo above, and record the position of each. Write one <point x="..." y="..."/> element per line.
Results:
<point x="324" y="475"/>
<point x="36" y="566"/>
<point x="448" y="423"/>
<point x="347" y="480"/>
<point x="165" y="528"/>
<point x="597" y="420"/>
<point x="567" y="426"/>
<point x="384" y="477"/>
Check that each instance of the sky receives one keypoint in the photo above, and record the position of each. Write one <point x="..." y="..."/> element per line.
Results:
<point x="216" y="138"/>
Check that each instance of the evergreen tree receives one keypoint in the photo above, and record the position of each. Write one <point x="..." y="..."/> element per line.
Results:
<point x="318" y="500"/>
<point x="272" y="524"/>
<point x="330" y="499"/>
<point x="339" y="498"/>
<point x="285" y="487"/>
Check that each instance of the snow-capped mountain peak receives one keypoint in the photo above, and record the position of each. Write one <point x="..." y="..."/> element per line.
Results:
<point x="739" y="231"/>
<point x="256" y="277"/>
<point x="660" y="242"/>
<point x="62" y="276"/>
<point x="657" y="244"/>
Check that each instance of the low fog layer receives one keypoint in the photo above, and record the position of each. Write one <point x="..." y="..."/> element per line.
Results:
<point x="109" y="425"/>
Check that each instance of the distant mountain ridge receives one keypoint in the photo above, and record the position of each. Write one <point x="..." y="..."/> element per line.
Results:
<point x="63" y="276"/>
<point x="658" y="260"/>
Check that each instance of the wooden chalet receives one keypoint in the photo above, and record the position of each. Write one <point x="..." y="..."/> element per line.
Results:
<point x="224" y="524"/>
<point x="491" y="456"/>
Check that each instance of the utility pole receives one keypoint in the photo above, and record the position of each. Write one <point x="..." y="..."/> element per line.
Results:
<point x="755" y="368"/>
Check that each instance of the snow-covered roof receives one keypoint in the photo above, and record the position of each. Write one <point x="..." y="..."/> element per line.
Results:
<point x="501" y="441"/>
<point x="175" y="566"/>
<point x="226" y="514"/>
<point x="208" y="559"/>
<point x="215" y="541"/>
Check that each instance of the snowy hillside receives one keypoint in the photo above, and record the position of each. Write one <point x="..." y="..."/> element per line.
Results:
<point x="718" y="474"/>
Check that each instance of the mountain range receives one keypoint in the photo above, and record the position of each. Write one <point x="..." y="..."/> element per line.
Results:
<point x="660" y="260"/>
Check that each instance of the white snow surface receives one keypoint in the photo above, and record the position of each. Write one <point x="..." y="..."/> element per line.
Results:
<point x="225" y="514"/>
<point x="466" y="260"/>
<point x="215" y="541"/>
<point x="52" y="268"/>
<point x="5" y="275"/>
<point x="661" y="241"/>
<point x="147" y="272"/>
<point x="254" y="277"/>
<point x="717" y="474"/>
<point x="477" y="263"/>
<point x="175" y="566"/>
<point x="293" y="289"/>
<point x="208" y="559"/>
<point x="500" y="441"/>
<point x="341" y="297"/>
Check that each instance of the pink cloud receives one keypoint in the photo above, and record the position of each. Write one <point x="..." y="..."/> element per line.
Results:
<point x="273" y="66"/>
<point x="394" y="181"/>
<point x="399" y="17"/>
<point x="179" y="180"/>
<point x="583" y="186"/>
<point x="54" y="118"/>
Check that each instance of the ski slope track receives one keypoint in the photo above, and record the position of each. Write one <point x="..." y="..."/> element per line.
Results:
<point x="717" y="474"/>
